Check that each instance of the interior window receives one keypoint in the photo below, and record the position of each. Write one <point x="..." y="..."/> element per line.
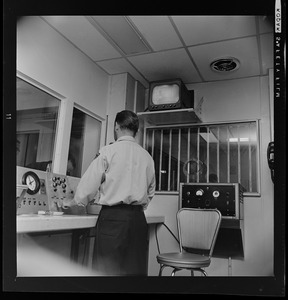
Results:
<point x="84" y="142"/>
<point x="224" y="153"/>
<point x="37" y="114"/>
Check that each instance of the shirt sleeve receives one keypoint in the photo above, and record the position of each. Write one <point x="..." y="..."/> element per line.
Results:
<point x="151" y="189"/>
<point x="90" y="181"/>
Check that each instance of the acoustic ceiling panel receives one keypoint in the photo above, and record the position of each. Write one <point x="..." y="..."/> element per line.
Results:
<point x="80" y="32"/>
<point x="245" y="50"/>
<point x="166" y="65"/>
<point x="158" y="31"/>
<point x="206" y="29"/>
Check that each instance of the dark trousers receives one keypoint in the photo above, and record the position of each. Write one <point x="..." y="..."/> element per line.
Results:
<point x="121" y="242"/>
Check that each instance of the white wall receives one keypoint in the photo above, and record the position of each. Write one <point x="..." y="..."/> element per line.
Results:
<point x="227" y="101"/>
<point x="46" y="57"/>
<point x="116" y="102"/>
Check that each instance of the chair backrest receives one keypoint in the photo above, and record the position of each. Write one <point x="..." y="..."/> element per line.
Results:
<point x="198" y="229"/>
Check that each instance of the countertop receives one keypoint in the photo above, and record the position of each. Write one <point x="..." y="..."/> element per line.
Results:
<point x="41" y="223"/>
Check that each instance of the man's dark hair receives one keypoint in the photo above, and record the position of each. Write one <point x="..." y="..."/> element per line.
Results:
<point x="127" y="119"/>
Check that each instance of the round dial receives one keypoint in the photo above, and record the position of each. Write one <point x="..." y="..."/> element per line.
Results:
<point x="32" y="181"/>
<point x="216" y="194"/>
<point x="199" y="192"/>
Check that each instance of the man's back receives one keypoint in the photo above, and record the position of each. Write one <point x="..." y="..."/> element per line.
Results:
<point x="129" y="173"/>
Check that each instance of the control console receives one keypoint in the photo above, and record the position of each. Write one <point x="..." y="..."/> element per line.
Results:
<point x="226" y="197"/>
<point x="46" y="191"/>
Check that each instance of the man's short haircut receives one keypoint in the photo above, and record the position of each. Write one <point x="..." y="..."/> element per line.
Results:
<point x="127" y="119"/>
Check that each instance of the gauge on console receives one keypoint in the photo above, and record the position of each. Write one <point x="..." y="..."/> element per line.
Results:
<point x="32" y="180"/>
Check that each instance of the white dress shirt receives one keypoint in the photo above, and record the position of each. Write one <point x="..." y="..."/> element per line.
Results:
<point x="128" y="173"/>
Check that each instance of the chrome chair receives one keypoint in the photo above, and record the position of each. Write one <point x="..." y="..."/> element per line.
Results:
<point x="197" y="230"/>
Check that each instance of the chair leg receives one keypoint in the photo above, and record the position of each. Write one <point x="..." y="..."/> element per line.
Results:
<point x="203" y="272"/>
<point x="174" y="271"/>
<point x="161" y="269"/>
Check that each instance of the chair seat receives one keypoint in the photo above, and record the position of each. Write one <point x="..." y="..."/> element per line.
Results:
<point x="184" y="260"/>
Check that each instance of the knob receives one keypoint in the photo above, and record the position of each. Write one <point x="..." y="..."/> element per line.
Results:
<point x="216" y="194"/>
<point x="199" y="192"/>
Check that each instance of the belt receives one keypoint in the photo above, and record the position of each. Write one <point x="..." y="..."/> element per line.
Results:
<point x="124" y="206"/>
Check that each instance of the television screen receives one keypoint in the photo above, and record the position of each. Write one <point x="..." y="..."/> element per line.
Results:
<point x="165" y="94"/>
<point x="170" y="94"/>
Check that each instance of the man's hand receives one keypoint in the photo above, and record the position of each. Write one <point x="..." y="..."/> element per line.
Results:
<point x="67" y="203"/>
<point x="71" y="207"/>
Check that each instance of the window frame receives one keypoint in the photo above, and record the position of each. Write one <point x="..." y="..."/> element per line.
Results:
<point x="54" y="94"/>
<point x="197" y="125"/>
<point x="64" y="123"/>
<point x="91" y="115"/>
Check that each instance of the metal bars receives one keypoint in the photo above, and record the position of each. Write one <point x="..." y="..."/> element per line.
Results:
<point x="228" y="151"/>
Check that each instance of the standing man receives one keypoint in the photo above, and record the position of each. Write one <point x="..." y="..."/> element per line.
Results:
<point x="127" y="173"/>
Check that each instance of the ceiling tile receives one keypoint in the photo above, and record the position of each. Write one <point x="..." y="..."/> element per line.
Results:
<point x="84" y="36"/>
<point x="114" y="66"/>
<point x="205" y="29"/>
<point x="158" y="31"/>
<point x="121" y="65"/>
<point x="166" y="65"/>
<point x="208" y="37"/>
<point x="245" y="50"/>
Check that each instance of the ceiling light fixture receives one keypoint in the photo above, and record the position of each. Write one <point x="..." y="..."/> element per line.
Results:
<point x="233" y="140"/>
<point x="120" y="31"/>
<point x="224" y="65"/>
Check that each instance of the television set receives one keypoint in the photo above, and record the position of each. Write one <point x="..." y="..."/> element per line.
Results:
<point x="169" y="94"/>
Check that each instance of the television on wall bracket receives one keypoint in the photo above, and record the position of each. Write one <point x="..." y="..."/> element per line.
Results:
<point x="169" y="94"/>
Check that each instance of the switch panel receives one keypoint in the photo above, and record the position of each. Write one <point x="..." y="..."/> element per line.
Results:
<point x="52" y="189"/>
<point x="58" y="190"/>
<point x="34" y="203"/>
<point x="226" y="197"/>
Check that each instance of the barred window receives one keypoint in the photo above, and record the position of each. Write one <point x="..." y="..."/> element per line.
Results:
<point x="224" y="153"/>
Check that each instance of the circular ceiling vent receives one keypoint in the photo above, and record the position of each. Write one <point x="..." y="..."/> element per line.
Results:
<point x="224" y="65"/>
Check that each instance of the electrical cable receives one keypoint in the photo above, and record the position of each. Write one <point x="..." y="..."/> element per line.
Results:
<point x="157" y="242"/>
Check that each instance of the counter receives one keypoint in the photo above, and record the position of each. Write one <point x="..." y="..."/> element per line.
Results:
<point x="42" y="238"/>
<point x="40" y="223"/>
